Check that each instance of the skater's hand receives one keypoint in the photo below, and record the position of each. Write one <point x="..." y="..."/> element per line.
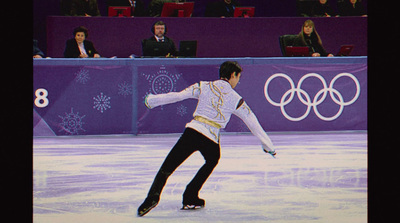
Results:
<point x="146" y="102"/>
<point x="272" y="153"/>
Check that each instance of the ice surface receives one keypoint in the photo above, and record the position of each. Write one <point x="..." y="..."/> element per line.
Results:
<point x="316" y="177"/>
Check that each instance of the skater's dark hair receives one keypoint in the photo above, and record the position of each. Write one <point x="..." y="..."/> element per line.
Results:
<point x="227" y="68"/>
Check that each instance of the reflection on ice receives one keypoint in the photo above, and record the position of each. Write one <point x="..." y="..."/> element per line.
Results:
<point x="319" y="177"/>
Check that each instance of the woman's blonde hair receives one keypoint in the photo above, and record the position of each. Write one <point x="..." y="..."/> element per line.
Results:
<point x="309" y="22"/>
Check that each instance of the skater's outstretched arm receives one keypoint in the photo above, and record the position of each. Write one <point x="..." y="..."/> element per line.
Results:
<point x="154" y="100"/>
<point x="249" y="118"/>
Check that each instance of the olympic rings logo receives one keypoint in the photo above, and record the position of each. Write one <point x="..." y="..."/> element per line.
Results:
<point x="304" y="97"/>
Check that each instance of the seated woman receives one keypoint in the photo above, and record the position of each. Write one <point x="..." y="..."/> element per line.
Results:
<point x="79" y="47"/>
<point x="309" y="36"/>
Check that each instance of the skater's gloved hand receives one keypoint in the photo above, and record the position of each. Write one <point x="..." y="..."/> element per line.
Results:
<point x="146" y="101"/>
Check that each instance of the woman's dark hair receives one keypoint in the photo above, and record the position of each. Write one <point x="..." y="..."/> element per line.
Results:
<point x="81" y="29"/>
<point x="228" y="67"/>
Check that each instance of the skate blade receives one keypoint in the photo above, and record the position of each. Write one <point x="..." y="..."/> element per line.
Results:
<point x="191" y="207"/>
<point x="144" y="212"/>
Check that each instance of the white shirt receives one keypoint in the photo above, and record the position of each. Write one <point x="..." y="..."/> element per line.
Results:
<point x="159" y="39"/>
<point x="82" y="48"/>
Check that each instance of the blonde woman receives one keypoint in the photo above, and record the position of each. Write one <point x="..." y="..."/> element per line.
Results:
<point x="309" y="36"/>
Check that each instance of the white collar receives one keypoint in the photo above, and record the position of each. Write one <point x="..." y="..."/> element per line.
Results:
<point x="158" y="39"/>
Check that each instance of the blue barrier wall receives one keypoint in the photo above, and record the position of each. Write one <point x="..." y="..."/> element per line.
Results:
<point x="105" y="96"/>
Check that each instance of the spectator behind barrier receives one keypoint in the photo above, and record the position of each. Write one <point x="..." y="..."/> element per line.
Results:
<point x="322" y="8"/>
<point x="155" y="6"/>
<point x="139" y="9"/>
<point x="222" y="8"/>
<point x="37" y="53"/>
<point x="79" y="8"/>
<point x="79" y="47"/>
<point x="309" y="36"/>
<point x="351" y="8"/>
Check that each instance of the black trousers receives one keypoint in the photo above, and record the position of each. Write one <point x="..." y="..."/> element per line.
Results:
<point x="190" y="142"/>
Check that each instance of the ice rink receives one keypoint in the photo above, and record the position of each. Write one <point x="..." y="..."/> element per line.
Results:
<point x="316" y="177"/>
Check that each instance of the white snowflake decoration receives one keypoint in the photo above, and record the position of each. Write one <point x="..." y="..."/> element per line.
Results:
<point x="101" y="102"/>
<point x="71" y="122"/>
<point x="162" y="81"/>
<point x="125" y="89"/>
<point x="82" y="76"/>
<point x="181" y="110"/>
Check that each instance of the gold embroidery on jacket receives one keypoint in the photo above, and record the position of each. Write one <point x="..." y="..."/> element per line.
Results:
<point x="206" y="121"/>
<point x="196" y="88"/>
<point x="220" y="102"/>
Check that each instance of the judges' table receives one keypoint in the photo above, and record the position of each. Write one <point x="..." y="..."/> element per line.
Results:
<point x="216" y="37"/>
<point x="106" y="96"/>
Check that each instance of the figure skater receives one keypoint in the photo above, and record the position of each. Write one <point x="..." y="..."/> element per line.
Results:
<point x="217" y="101"/>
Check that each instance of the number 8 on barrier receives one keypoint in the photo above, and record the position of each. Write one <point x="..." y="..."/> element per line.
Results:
<point x="41" y="100"/>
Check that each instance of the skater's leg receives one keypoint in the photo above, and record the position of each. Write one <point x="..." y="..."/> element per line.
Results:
<point x="211" y="154"/>
<point x="179" y="153"/>
<point x="153" y="196"/>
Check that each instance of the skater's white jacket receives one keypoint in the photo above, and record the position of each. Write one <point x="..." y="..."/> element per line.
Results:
<point x="217" y="101"/>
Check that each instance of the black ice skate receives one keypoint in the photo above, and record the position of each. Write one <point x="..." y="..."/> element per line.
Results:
<point x="147" y="205"/>
<point x="153" y="197"/>
<point x="192" y="203"/>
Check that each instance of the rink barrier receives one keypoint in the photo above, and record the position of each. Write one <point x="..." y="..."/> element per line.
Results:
<point x="106" y="96"/>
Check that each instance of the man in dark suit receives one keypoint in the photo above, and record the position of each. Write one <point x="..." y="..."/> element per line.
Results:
<point x="79" y="47"/>
<point x="159" y="45"/>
